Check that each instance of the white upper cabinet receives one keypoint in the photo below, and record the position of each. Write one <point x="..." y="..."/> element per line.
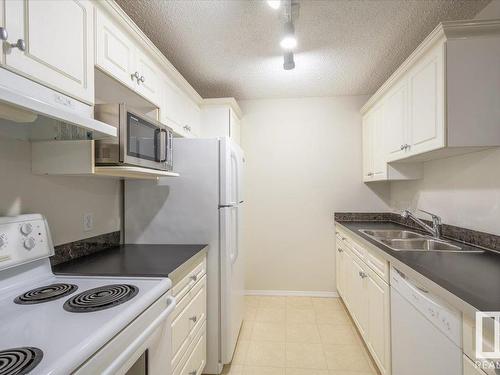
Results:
<point x="121" y="57"/>
<point x="442" y="101"/>
<point x="395" y="117"/>
<point x="426" y="103"/>
<point x="374" y="149"/>
<point x="178" y="111"/>
<point x="147" y="78"/>
<point x="114" y="50"/>
<point x="53" y="44"/>
<point x="221" y="118"/>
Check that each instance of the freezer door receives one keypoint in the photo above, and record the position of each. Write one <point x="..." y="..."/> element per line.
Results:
<point x="232" y="281"/>
<point x="232" y="172"/>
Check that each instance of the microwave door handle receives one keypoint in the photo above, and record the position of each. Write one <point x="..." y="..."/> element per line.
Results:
<point x="158" y="146"/>
<point x="170" y="151"/>
<point x="163" y="146"/>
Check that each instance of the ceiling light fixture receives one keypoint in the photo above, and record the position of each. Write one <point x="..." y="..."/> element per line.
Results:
<point x="275" y="4"/>
<point x="288" y="42"/>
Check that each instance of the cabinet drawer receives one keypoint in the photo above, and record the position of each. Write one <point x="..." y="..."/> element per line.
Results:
<point x="185" y="324"/>
<point x="378" y="264"/>
<point x="194" y="361"/>
<point x="182" y="287"/>
<point x="352" y="245"/>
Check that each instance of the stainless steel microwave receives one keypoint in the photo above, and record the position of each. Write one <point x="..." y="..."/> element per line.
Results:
<point x="141" y="142"/>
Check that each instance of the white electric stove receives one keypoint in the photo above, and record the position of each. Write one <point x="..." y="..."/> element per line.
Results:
<point x="63" y="325"/>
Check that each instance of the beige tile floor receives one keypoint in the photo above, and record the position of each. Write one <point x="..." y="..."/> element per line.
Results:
<point x="298" y="336"/>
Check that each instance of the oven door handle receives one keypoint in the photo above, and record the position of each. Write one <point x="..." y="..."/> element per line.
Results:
<point x="134" y="346"/>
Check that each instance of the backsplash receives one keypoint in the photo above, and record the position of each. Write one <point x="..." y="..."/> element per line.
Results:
<point x="77" y="249"/>
<point x="469" y="236"/>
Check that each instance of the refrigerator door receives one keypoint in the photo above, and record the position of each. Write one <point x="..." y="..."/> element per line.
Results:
<point x="184" y="210"/>
<point x="232" y="168"/>
<point x="232" y="280"/>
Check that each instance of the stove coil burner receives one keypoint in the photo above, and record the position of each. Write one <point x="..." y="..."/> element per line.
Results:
<point x="100" y="298"/>
<point x="45" y="294"/>
<point x="19" y="361"/>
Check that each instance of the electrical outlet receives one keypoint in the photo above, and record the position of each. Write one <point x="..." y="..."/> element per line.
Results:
<point x="88" y="222"/>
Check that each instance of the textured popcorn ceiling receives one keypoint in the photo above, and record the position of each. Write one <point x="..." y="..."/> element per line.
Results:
<point x="346" y="47"/>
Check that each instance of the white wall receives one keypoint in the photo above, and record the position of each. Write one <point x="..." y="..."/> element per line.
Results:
<point x="304" y="163"/>
<point x="464" y="190"/>
<point x="63" y="200"/>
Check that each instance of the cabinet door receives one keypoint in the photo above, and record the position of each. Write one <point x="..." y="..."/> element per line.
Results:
<point x="426" y="103"/>
<point x="234" y="127"/>
<point x="395" y="118"/>
<point x="58" y="37"/>
<point x="340" y="270"/>
<point x="114" y="50"/>
<point x="367" y="146"/>
<point x="358" y="282"/>
<point x="149" y="77"/>
<point x="378" y="148"/>
<point x="377" y="297"/>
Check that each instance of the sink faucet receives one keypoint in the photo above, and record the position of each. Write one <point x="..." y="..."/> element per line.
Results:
<point x="435" y="230"/>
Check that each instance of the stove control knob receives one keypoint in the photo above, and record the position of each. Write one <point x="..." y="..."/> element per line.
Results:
<point x="26" y="228"/>
<point x="29" y="243"/>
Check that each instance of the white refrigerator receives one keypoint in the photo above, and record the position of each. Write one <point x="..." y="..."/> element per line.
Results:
<point x="203" y="205"/>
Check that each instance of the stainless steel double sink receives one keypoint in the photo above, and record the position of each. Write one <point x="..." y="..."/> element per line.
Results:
<point x="405" y="240"/>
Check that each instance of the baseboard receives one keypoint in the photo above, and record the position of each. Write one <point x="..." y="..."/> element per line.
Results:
<point x="291" y="293"/>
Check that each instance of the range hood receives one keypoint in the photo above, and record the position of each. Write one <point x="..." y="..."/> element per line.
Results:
<point x="33" y="112"/>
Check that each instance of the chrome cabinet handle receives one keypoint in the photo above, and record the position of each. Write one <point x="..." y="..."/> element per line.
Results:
<point x="194" y="277"/>
<point x="340" y="250"/>
<point x="370" y="174"/>
<point x="187" y="128"/>
<point x="194" y="319"/>
<point x="4" y="35"/>
<point x="192" y="373"/>
<point x="362" y="274"/>
<point x="403" y="147"/>
<point x="142" y="79"/>
<point x="20" y="44"/>
<point x="136" y="75"/>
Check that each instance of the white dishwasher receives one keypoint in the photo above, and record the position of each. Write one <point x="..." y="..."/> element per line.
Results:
<point x="426" y="332"/>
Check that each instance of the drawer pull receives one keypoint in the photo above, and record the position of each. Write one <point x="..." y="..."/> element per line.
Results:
<point x="193" y="372"/>
<point x="194" y="277"/>
<point x="194" y="319"/>
<point x="362" y="274"/>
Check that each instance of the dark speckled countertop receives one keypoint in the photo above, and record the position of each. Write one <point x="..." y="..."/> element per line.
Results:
<point x="134" y="260"/>
<point x="472" y="277"/>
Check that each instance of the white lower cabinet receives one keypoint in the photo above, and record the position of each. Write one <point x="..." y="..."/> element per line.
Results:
<point x="188" y="322"/>
<point x="367" y="297"/>
<point x="378" y="300"/>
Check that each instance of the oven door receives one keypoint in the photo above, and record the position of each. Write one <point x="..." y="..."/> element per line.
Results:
<point x="143" y="143"/>
<point x="143" y="347"/>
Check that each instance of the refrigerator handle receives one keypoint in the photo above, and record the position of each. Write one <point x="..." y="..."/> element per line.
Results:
<point x="236" y="237"/>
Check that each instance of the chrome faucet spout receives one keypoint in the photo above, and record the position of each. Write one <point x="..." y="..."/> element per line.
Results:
<point x="435" y="230"/>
